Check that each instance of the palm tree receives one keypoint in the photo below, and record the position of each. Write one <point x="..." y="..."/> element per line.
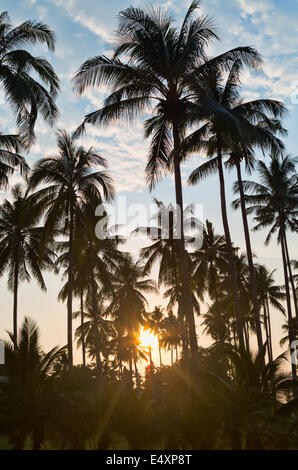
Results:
<point x="230" y="123"/>
<point x="274" y="203"/>
<point x="209" y="260"/>
<point x="130" y="284"/>
<point x="118" y="345"/>
<point x="252" y="372"/>
<point x="173" y="294"/>
<point x="285" y="328"/>
<point x="164" y="250"/>
<point x="295" y="277"/>
<point x="94" y="259"/>
<point x="29" y="83"/>
<point x="129" y="303"/>
<point x="70" y="182"/>
<point x="154" y="321"/>
<point x="245" y="298"/>
<point x="28" y="397"/>
<point x="216" y="324"/>
<point x="95" y="330"/>
<point x="10" y="159"/>
<point x="246" y="404"/>
<point x="20" y="242"/>
<point x="151" y="69"/>
<point x="137" y="352"/>
<point x="171" y="335"/>
<point x="269" y="294"/>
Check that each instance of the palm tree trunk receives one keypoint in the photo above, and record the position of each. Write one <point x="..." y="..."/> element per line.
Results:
<point x="15" y="305"/>
<point x="130" y="369"/>
<point x="70" y="288"/>
<point x="159" y="350"/>
<point x="267" y="334"/>
<point x="269" y="326"/>
<point x="184" y="329"/>
<point x="230" y="254"/>
<point x="82" y="338"/>
<point x="183" y="258"/>
<point x="98" y="357"/>
<point x="137" y="375"/>
<point x="99" y="372"/>
<point x="291" y="279"/>
<point x="290" y="318"/>
<point x="256" y="309"/>
<point x="246" y="335"/>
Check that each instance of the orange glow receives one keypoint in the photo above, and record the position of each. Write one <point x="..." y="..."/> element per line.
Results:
<point x="148" y="339"/>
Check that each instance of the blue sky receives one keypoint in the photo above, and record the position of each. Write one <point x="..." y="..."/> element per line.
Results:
<point x="84" y="28"/>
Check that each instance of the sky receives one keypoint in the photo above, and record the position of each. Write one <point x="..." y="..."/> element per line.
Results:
<point x="85" y="29"/>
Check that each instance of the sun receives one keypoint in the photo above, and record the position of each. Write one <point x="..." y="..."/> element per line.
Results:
<point x="148" y="339"/>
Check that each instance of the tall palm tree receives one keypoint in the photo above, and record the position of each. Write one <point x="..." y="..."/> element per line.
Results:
<point x="27" y="397"/>
<point x="171" y="335"/>
<point x="151" y="69"/>
<point x="245" y="298"/>
<point x="118" y="346"/>
<point x="215" y="323"/>
<point x="210" y="259"/>
<point x="94" y="259"/>
<point x="269" y="294"/>
<point x="129" y="303"/>
<point x="164" y="250"/>
<point x="29" y="83"/>
<point x="10" y="159"/>
<point x="267" y="128"/>
<point x="274" y="203"/>
<point x="285" y="328"/>
<point x="229" y="123"/>
<point x="70" y="180"/>
<point x="154" y="321"/>
<point x="173" y="294"/>
<point x="20" y="245"/>
<point x="95" y="330"/>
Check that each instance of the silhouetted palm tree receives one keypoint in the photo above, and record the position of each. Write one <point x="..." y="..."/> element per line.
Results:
<point x="269" y="294"/>
<point x="209" y="260"/>
<point x="171" y="335"/>
<point x="274" y="203"/>
<point x="29" y="83"/>
<point x="10" y="159"/>
<point x="20" y="245"/>
<point x="243" y="281"/>
<point x="159" y="63"/>
<point x="164" y="251"/>
<point x="28" y="396"/>
<point x="230" y="123"/>
<point x="70" y="181"/>
<point x="95" y="330"/>
<point x="154" y="321"/>
<point x="129" y="303"/>
<point x="95" y="259"/>
<point x="216" y="324"/>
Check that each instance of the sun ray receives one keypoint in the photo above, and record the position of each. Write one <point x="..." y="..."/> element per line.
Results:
<point x="148" y="339"/>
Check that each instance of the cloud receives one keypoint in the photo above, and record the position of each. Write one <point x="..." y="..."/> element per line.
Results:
<point x="125" y="151"/>
<point x="88" y="15"/>
<point x="253" y="6"/>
